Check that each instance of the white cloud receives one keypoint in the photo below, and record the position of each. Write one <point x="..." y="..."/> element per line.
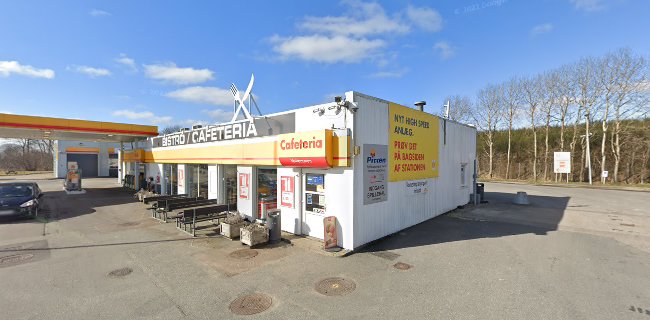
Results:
<point x="146" y="116"/>
<point x="425" y="18"/>
<point x="444" y="50"/>
<point x="389" y="74"/>
<point x="169" y="72"/>
<point x="6" y="112"/>
<point x="192" y="122"/>
<point x="205" y="95"/>
<point x="588" y="5"/>
<point x="541" y="29"/>
<point x="219" y="115"/>
<point x="8" y="68"/>
<point x="325" y="49"/>
<point x="90" y="71"/>
<point x="124" y="60"/>
<point x="353" y="36"/>
<point x="366" y="19"/>
<point x="99" y="13"/>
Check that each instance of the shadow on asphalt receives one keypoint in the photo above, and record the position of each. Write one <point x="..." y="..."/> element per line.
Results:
<point x="445" y="228"/>
<point x="60" y="206"/>
<point x="2" y="250"/>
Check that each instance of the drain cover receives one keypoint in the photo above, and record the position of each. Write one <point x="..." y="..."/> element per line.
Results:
<point x="335" y="286"/>
<point x="15" y="258"/>
<point x="120" y="272"/>
<point x="402" y="266"/>
<point x="251" y="304"/>
<point x="244" y="254"/>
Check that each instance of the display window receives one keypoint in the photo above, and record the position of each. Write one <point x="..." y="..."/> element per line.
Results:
<point x="267" y="188"/>
<point x="315" y="193"/>
<point x="230" y="178"/>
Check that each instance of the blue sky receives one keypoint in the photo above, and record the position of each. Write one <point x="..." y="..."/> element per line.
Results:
<point x="172" y="62"/>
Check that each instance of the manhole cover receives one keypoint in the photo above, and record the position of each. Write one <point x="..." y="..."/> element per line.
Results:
<point x="15" y="258"/>
<point x="251" y="304"/>
<point x="120" y="272"/>
<point x="402" y="266"/>
<point x="335" y="286"/>
<point x="244" y="254"/>
<point x="128" y="224"/>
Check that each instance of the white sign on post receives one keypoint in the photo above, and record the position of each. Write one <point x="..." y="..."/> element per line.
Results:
<point x="562" y="162"/>
<point x="605" y="174"/>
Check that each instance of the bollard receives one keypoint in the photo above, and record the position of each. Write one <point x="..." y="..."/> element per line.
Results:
<point x="521" y="198"/>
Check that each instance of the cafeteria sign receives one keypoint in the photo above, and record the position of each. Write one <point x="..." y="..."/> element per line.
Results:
<point x="312" y="149"/>
<point x="413" y="144"/>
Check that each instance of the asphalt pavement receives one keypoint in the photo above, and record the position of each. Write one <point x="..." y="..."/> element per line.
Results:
<point x="100" y="256"/>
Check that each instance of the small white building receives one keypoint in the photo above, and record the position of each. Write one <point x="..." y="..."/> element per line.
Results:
<point x="377" y="166"/>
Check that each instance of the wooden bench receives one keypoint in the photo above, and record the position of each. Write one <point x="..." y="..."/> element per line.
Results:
<point x="163" y="205"/>
<point x="190" y="216"/>
<point x="158" y="198"/>
<point x="183" y="205"/>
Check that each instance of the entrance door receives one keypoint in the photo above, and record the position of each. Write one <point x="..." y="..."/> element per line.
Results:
<point x="314" y="204"/>
<point x="171" y="181"/>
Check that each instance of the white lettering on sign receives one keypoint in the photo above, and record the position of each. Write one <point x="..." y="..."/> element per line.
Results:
<point x="228" y="131"/>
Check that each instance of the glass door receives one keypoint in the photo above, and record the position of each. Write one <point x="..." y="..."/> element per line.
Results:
<point x="171" y="179"/>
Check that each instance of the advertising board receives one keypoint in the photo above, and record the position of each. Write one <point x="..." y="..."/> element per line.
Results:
<point x="412" y="144"/>
<point x="562" y="162"/>
<point x="375" y="173"/>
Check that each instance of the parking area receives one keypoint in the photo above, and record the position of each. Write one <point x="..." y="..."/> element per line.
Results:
<point x="572" y="254"/>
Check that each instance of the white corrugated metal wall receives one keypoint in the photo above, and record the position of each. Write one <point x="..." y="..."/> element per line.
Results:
<point x="374" y="221"/>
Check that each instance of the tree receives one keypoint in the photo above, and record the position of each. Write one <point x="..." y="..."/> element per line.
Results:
<point x="511" y="100"/>
<point x="549" y="94"/>
<point x="170" y="129"/>
<point x="589" y="90"/>
<point x="629" y="97"/>
<point x="488" y="115"/>
<point x="460" y="108"/>
<point x="532" y="96"/>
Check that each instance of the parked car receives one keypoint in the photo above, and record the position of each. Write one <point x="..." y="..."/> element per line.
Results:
<point x="19" y="199"/>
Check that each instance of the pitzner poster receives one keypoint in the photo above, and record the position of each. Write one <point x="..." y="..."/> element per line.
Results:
<point x="413" y="144"/>
<point x="375" y="159"/>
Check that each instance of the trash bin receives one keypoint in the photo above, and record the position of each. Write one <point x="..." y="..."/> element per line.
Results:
<point x="480" y="190"/>
<point x="273" y="223"/>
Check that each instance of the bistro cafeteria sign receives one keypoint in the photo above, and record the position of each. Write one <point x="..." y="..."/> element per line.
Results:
<point x="228" y="131"/>
<point x="257" y="127"/>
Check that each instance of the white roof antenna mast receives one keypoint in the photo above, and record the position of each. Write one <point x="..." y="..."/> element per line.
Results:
<point x="240" y="101"/>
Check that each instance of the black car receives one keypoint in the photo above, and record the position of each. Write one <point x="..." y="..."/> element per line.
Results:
<point x="19" y="199"/>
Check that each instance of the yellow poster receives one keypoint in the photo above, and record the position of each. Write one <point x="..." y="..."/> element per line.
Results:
<point x="413" y="144"/>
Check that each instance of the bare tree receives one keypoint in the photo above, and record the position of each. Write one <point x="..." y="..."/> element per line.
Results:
<point x="532" y="96"/>
<point x="550" y="94"/>
<point x="629" y="97"/>
<point x="170" y="129"/>
<point x="589" y="90"/>
<point x="460" y="108"/>
<point x="511" y="100"/>
<point x="488" y="117"/>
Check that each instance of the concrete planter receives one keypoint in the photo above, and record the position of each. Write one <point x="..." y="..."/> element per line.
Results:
<point x="255" y="236"/>
<point x="231" y="231"/>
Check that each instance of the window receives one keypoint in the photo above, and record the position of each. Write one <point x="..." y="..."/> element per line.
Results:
<point x="315" y="193"/>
